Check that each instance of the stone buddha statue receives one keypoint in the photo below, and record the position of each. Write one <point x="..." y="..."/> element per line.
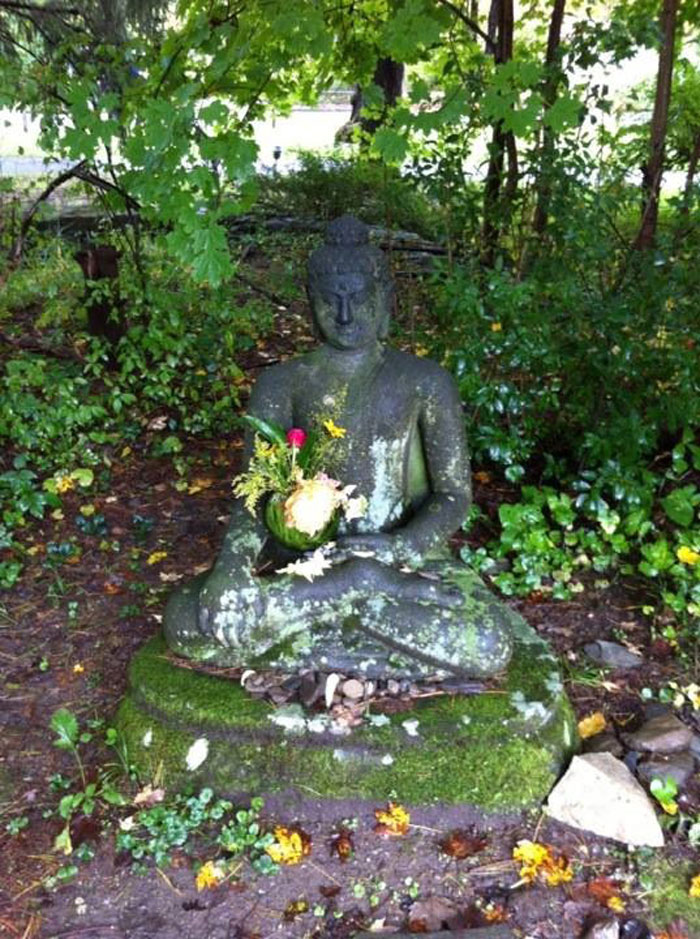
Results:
<point x="394" y="602"/>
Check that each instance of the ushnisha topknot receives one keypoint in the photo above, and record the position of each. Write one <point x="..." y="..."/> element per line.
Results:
<point x="346" y="249"/>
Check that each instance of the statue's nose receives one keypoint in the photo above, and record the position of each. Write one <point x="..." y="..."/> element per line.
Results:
<point x="343" y="316"/>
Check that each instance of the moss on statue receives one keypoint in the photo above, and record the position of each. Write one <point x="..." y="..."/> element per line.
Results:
<point x="499" y="750"/>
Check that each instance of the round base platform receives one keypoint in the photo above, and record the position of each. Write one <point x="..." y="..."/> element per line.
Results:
<point x="502" y="749"/>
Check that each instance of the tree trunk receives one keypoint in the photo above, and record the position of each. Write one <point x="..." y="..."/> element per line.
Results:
<point x="388" y="75"/>
<point x="690" y="176"/>
<point x="652" y="171"/>
<point x="500" y="18"/>
<point x="543" y="187"/>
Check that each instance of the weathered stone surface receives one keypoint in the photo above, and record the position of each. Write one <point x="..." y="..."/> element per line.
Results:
<point x="484" y="932"/>
<point x="606" y="929"/>
<point x="353" y="689"/>
<point x="599" y="794"/>
<point x="604" y="743"/>
<point x="391" y="602"/>
<point x="497" y="751"/>
<point x="680" y="766"/>
<point x="612" y="654"/>
<point x="662" y="734"/>
<point x="695" y="746"/>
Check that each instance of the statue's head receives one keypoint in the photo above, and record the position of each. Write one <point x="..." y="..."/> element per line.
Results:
<point x="350" y="289"/>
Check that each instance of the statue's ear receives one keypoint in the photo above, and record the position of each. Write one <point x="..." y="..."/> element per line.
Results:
<point x="312" y="308"/>
<point x="388" y="309"/>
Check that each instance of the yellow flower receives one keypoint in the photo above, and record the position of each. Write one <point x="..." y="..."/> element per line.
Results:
<point x="394" y="820"/>
<point x="333" y="429"/>
<point x="290" y="847"/>
<point x="686" y="555"/>
<point x="156" y="557"/>
<point x="616" y="904"/>
<point x="558" y="872"/>
<point x="78" y="668"/>
<point x="496" y="327"/>
<point x="695" y="887"/>
<point x="64" y="482"/>
<point x="591" y="725"/>
<point x="312" y="504"/>
<point x="209" y="875"/>
<point x="532" y="856"/>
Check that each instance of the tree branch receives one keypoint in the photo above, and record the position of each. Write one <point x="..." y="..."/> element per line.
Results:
<point x="470" y="24"/>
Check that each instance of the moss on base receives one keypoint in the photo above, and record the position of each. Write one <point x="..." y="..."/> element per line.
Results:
<point x="498" y="750"/>
<point x="666" y="893"/>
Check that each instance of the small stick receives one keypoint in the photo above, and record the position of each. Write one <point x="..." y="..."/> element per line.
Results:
<point x="324" y="872"/>
<point x="169" y="882"/>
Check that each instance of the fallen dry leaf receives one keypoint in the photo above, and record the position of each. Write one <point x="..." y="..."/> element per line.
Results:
<point x="149" y="796"/>
<point x="431" y="915"/>
<point x="291" y="845"/>
<point x="462" y="844"/>
<point x="342" y="844"/>
<point x="295" y="908"/>
<point x="392" y="821"/>
<point x="591" y="725"/>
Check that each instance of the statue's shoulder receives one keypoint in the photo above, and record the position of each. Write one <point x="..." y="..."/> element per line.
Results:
<point x="281" y="373"/>
<point x="427" y="375"/>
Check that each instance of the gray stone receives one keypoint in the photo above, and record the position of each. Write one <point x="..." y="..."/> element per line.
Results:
<point x="393" y="602"/>
<point x="695" y="746"/>
<point x="599" y="794"/>
<point x="485" y="932"/>
<point x="353" y="689"/>
<point x="680" y="766"/>
<point x="607" y="929"/>
<point x="604" y="743"/>
<point x="612" y="654"/>
<point x="662" y="734"/>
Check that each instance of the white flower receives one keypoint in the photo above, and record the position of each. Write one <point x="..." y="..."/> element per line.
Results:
<point x="312" y="504"/>
<point x="126" y="824"/>
<point x="310" y="567"/>
<point x="197" y="753"/>
<point x="148" y="738"/>
<point x="411" y="728"/>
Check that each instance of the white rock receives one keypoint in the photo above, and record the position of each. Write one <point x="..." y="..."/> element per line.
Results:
<point x="599" y="794"/>
<point x="197" y="753"/>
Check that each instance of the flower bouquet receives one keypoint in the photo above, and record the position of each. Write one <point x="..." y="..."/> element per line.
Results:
<point x="303" y="504"/>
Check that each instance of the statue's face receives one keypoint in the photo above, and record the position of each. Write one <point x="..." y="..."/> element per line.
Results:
<point x="349" y="309"/>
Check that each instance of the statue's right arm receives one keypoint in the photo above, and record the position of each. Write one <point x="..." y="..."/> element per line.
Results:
<point x="246" y="535"/>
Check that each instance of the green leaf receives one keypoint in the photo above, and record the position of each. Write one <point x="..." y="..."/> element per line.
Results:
<point x="679" y="505"/>
<point x="390" y="145"/>
<point x="65" y="726"/>
<point x="270" y="430"/>
<point x="63" y="842"/>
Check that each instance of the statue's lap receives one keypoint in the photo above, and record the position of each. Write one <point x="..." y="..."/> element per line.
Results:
<point x="473" y="639"/>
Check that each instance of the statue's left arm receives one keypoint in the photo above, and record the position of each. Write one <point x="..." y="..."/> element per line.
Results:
<point x="441" y="425"/>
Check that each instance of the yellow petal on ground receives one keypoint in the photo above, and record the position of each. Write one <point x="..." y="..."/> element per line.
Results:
<point x="290" y="846"/>
<point x="394" y="820"/>
<point x="694" y="890"/>
<point x="209" y="875"/>
<point x="591" y="725"/>
<point x="686" y="555"/>
<point x="496" y="327"/>
<point x="616" y="904"/>
<point x="156" y="557"/>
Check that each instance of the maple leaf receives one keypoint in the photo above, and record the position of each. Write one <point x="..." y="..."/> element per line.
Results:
<point x="591" y="725"/>
<point x="393" y="820"/>
<point x="290" y="847"/>
<point x="462" y="844"/>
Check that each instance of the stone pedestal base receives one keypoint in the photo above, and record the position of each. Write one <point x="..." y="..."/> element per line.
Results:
<point x="501" y="749"/>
